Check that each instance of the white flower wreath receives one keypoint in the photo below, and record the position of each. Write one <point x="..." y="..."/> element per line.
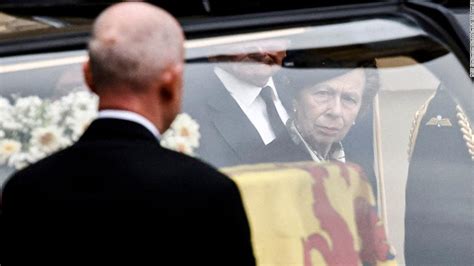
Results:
<point x="32" y="128"/>
<point x="183" y="135"/>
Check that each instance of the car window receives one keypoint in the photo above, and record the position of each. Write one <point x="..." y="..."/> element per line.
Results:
<point x="411" y="69"/>
<point x="369" y="91"/>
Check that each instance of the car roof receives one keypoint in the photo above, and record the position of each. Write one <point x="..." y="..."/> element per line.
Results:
<point x="89" y="8"/>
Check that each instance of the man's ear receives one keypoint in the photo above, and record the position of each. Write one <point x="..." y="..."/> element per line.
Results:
<point x="86" y="69"/>
<point x="171" y="83"/>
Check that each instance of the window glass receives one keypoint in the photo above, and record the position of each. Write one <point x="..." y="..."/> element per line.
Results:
<point x="44" y="107"/>
<point x="325" y="71"/>
<point x="379" y="92"/>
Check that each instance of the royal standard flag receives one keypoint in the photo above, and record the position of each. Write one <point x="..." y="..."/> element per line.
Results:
<point x="312" y="214"/>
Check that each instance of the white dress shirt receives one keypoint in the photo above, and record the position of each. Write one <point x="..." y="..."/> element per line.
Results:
<point x="248" y="98"/>
<point x="130" y="116"/>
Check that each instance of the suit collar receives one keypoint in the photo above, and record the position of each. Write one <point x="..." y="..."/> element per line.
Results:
<point x="232" y="123"/>
<point x="117" y="129"/>
<point x="130" y="116"/>
<point x="220" y="99"/>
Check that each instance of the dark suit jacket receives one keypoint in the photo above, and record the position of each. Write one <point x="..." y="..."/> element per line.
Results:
<point x="119" y="195"/>
<point x="283" y="149"/>
<point x="227" y="135"/>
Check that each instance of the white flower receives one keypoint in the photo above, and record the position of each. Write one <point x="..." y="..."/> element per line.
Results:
<point x="48" y="139"/>
<point x="185" y="127"/>
<point x="19" y="160"/>
<point x="74" y="112"/>
<point x="182" y="136"/>
<point x="29" y="106"/>
<point x="10" y="124"/>
<point x="5" y="112"/>
<point x="177" y="143"/>
<point x="28" y="113"/>
<point x="37" y="127"/>
<point x="55" y="113"/>
<point x="80" y="109"/>
<point x="34" y="154"/>
<point x="81" y="102"/>
<point x="29" y="102"/>
<point x="8" y="147"/>
<point x="78" y="128"/>
<point x="4" y="104"/>
<point x="5" y="108"/>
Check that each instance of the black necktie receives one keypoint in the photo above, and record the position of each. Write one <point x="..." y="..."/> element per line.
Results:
<point x="275" y="121"/>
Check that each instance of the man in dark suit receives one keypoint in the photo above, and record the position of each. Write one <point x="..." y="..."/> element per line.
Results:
<point x="117" y="194"/>
<point x="238" y="100"/>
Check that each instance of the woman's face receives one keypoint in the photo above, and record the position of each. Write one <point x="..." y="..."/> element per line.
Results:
<point x="326" y="111"/>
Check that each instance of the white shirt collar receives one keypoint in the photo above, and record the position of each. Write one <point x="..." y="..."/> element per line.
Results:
<point x="243" y="92"/>
<point x="130" y="116"/>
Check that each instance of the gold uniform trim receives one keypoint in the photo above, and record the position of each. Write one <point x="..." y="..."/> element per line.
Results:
<point x="439" y="121"/>
<point x="466" y="130"/>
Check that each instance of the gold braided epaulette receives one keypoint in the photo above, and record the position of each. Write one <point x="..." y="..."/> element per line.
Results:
<point x="415" y="125"/>
<point x="466" y="130"/>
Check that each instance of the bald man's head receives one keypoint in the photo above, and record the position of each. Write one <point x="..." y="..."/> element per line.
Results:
<point x="132" y="44"/>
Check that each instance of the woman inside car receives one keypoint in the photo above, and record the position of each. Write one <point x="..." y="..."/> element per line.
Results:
<point x="326" y="105"/>
<point x="329" y="98"/>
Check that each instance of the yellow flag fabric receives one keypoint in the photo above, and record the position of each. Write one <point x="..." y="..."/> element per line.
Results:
<point x="311" y="214"/>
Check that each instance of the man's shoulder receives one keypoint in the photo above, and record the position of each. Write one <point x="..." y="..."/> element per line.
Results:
<point x="188" y="163"/>
<point x="195" y="171"/>
<point x="31" y="173"/>
<point x="203" y="87"/>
